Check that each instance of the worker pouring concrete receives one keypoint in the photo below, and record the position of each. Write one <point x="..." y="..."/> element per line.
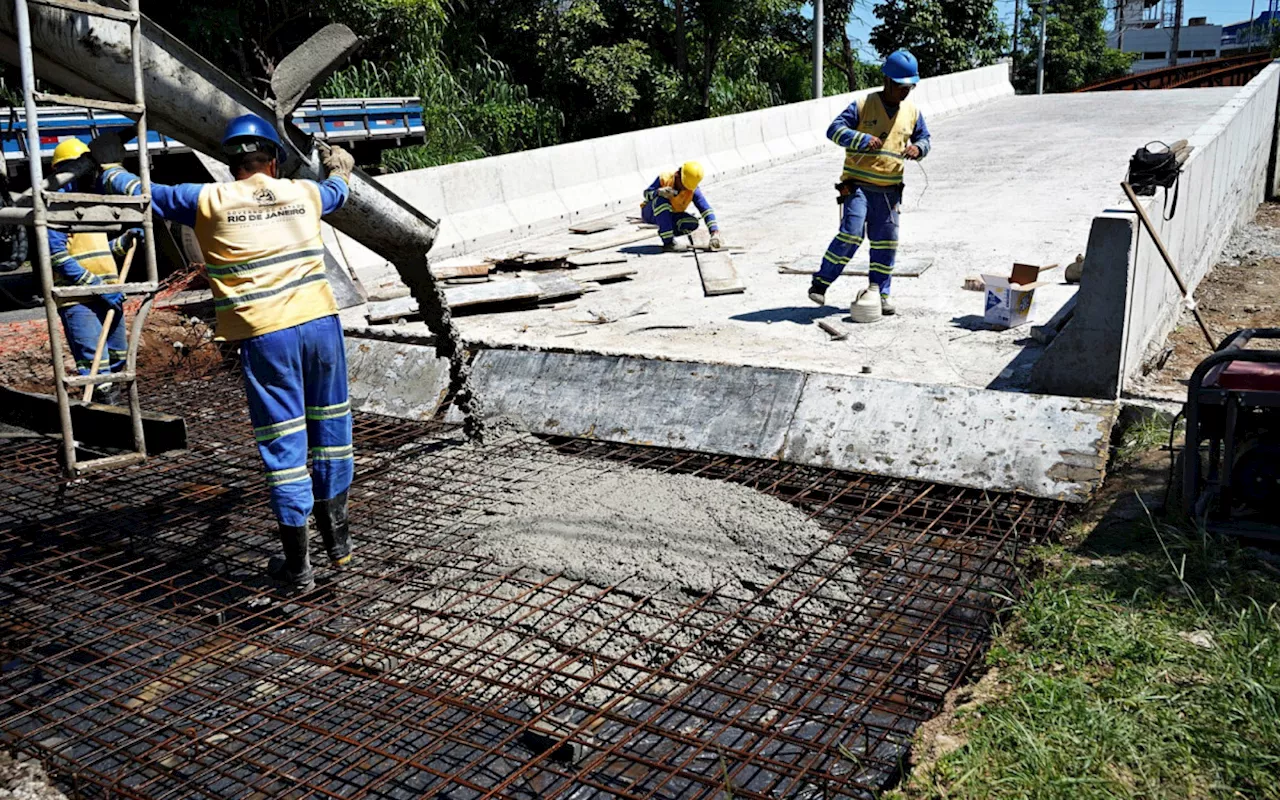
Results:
<point x="879" y="133"/>
<point x="89" y="259"/>
<point x="665" y="202"/>
<point x="260" y="235"/>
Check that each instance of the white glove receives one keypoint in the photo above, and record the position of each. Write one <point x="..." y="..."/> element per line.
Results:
<point x="716" y="244"/>
<point x="667" y="192"/>
<point x="339" y="162"/>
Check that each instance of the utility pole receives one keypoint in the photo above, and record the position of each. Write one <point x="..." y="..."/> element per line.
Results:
<point x="1120" y="25"/>
<point x="817" y="48"/>
<point x="1044" y="13"/>
<point x="1017" y="19"/>
<point x="1253" y="21"/>
<point x="1177" y="34"/>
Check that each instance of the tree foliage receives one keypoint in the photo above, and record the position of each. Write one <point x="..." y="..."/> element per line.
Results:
<point x="945" y="35"/>
<point x="1076" y="52"/>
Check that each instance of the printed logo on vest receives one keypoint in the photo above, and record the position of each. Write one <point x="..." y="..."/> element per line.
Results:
<point x="265" y="197"/>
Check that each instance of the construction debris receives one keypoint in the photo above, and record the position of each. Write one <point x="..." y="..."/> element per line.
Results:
<point x="836" y="334"/>
<point x="592" y="226"/>
<point x="973" y="283"/>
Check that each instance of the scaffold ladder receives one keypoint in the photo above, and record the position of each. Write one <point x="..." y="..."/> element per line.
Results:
<point x="82" y="212"/>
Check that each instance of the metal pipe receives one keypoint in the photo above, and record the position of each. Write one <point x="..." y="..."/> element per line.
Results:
<point x="817" y="48"/>
<point x="22" y="18"/>
<point x="191" y="100"/>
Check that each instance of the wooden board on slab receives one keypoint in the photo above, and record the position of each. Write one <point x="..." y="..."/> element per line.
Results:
<point x="719" y="275"/>
<point x="473" y="270"/>
<point x="556" y="286"/>
<point x="603" y="273"/>
<point x="592" y="226"/>
<point x="591" y="259"/>
<point x="612" y="239"/>
<point x="902" y="268"/>
<point x="459" y="297"/>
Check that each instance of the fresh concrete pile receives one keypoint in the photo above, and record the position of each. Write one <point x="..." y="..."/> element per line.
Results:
<point x="620" y="581"/>
<point x="23" y="779"/>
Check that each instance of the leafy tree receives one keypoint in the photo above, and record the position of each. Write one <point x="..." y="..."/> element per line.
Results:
<point x="1076" y="52"/>
<point x="945" y="35"/>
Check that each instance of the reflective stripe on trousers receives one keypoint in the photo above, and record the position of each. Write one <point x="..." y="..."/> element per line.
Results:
<point x="866" y="215"/>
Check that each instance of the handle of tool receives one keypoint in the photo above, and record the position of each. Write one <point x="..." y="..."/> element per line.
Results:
<point x="106" y="325"/>
<point x="1168" y="261"/>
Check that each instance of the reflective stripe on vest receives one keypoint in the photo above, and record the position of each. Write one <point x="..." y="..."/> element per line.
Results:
<point x="263" y="254"/>
<point x="93" y="252"/>
<point x="882" y="167"/>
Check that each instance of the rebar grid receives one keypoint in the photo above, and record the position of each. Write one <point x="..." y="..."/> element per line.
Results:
<point x="143" y="656"/>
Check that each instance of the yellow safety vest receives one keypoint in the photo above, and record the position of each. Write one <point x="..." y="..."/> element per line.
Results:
<point x="682" y="200"/>
<point x="93" y="252"/>
<point x="882" y="167"/>
<point x="263" y="254"/>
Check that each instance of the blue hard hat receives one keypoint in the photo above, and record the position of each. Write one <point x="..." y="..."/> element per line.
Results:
<point x="244" y="132"/>
<point x="902" y="67"/>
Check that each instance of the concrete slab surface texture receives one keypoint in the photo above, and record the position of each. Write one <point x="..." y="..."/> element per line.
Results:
<point x="1014" y="179"/>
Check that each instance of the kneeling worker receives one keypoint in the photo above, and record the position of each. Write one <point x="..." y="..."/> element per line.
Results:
<point x="89" y="259"/>
<point x="265" y="263"/>
<point x="879" y="133"/>
<point x="667" y="198"/>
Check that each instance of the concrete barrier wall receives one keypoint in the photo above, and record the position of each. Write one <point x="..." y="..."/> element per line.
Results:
<point x="491" y="200"/>
<point x="1128" y="302"/>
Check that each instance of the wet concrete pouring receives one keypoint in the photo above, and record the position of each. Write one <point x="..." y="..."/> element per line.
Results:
<point x="780" y="633"/>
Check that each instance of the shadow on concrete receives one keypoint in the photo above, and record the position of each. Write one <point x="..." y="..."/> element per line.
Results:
<point x="801" y="315"/>
<point x="1016" y="376"/>
<point x="643" y="249"/>
<point x="971" y="322"/>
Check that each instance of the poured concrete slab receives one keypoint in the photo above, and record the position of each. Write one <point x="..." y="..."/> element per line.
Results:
<point x="1004" y="441"/>
<point x="1017" y="179"/>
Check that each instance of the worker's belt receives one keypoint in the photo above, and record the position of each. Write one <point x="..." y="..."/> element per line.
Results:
<point x="848" y="186"/>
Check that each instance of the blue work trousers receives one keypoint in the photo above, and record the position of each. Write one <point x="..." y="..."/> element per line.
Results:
<point x="872" y="214"/>
<point x="296" y="381"/>
<point x="670" y="223"/>
<point x="83" y="325"/>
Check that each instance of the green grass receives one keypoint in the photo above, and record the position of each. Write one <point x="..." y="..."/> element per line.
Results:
<point x="1107" y="695"/>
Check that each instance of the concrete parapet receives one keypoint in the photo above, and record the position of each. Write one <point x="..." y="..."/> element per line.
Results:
<point x="491" y="200"/>
<point x="1003" y="441"/>
<point x="1128" y="302"/>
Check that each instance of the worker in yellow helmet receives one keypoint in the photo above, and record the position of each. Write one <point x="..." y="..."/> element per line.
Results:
<point x="89" y="259"/>
<point x="667" y="198"/>
<point x="260" y="235"/>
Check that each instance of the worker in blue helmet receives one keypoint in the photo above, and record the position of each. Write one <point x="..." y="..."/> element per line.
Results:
<point x="879" y="133"/>
<point x="260" y="235"/>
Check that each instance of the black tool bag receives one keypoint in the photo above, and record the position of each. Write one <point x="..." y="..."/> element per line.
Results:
<point x="1149" y="169"/>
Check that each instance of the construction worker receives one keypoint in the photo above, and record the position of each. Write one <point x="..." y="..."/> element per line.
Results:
<point x="879" y="133"/>
<point x="665" y="202"/>
<point x="89" y="259"/>
<point x="260" y="235"/>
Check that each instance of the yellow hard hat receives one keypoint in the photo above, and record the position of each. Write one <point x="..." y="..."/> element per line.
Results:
<point x="69" y="150"/>
<point x="691" y="174"/>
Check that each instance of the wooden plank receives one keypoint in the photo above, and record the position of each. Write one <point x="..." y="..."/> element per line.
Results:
<point x="556" y="286"/>
<point x="95" y="424"/>
<point x="504" y="291"/>
<point x="718" y="274"/>
<point x="391" y="310"/>
<point x="904" y="268"/>
<point x="592" y="226"/>
<point x="445" y="272"/>
<point x="603" y="273"/>
<point x="591" y="259"/>
<point x="615" y="239"/>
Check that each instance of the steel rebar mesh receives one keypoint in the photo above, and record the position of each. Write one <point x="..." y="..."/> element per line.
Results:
<point x="143" y="656"/>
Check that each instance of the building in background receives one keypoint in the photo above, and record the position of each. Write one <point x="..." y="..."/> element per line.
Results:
<point x="1249" y="34"/>
<point x="1146" y="27"/>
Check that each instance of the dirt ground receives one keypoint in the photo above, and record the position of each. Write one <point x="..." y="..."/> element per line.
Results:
<point x="1242" y="291"/>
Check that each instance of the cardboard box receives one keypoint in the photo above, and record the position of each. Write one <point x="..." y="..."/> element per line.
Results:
<point x="1008" y="300"/>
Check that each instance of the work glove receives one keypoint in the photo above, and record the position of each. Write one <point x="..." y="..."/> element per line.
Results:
<point x="716" y="243"/>
<point x="667" y="192"/>
<point x="107" y="149"/>
<point x="130" y="238"/>
<point x="339" y="162"/>
<point x="115" y="302"/>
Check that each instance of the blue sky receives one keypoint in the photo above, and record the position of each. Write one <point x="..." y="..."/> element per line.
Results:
<point x="1219" y="12"/>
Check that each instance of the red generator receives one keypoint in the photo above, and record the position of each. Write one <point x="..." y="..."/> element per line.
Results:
<point x="1233" y="402"/>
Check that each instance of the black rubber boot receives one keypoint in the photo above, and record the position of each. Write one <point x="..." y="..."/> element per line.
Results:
<point x="292" y="570"/>
<point x="335" y="529"/>
<point x="111" y="394"/>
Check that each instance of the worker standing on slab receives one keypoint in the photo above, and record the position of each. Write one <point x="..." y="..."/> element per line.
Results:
<point x="667" y="198"/>
<point x="89" y="259"/>
<point x="260" y="235"/>
<point x="880" y="133"/>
